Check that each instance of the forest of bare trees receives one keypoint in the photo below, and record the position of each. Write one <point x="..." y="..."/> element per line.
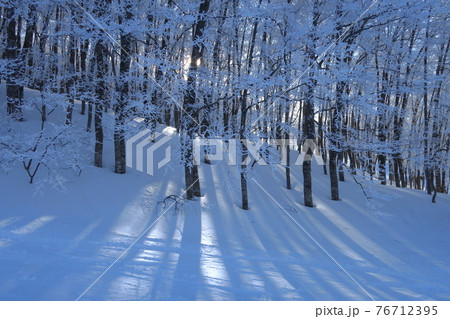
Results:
<point x="367" y="81"/>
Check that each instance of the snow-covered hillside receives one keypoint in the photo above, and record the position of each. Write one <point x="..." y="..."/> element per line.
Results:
<point x="66" y="245"/>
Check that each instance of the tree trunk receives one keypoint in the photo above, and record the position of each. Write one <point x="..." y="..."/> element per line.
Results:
<point x="70" y="82"/>
<point x="308" y="132"/>
<point x="100" y="52"/>
<point x="13" y="89"/>
<point x="83" y="57"/>
<point x="121" y="107"/>
<point x="190" y="116"/>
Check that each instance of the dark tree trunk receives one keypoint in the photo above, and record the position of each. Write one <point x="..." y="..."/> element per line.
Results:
<point x="334" y="142"/>
<point x="308" y="126"/>
<point x="190" y="116"/>
<point x="426" y="116"/>
<point x="321" y="140"/>
<point x="121" y="107"/>
<point x="54" y="49"/>
<point x="333" y="176"/>
<point x="13" y="89"/>
<point x="288" y="149"/>
<point x="101" y="95"/>
<point x="244" y="189"/>
<point x="309" y="133"/>
<point x="70" y="82"/>
<point x="341" y="166"/>
<point x="26" y="56"/>
<point x="382" y="97"/>
<point x="89" y="117"/>
<point x="100" y="52"/>
<point x="242" y="129"/>
<point x="83" y="57"/>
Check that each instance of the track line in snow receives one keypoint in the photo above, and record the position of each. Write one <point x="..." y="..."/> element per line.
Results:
<point x="315" y="241"/>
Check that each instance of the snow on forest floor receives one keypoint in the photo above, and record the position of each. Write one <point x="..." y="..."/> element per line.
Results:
<point x="54" y="245"/>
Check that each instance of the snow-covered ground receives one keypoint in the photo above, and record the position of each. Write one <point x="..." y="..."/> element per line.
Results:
<point x="54" y="246"/>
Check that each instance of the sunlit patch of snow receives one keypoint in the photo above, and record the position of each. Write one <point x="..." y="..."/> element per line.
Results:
<point x="408" y="293"/>
<point x="138" y="119"/>
<point x="134" y="217"/>
<point x="8" y="221"/>
<point x="381" y="277"/>
<point x="169" y="130"/>
<point x="33" y="225"/>
<point x="212" y="266"/>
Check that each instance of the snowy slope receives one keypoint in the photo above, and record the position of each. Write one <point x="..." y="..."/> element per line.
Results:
<point x="54" y="246"/>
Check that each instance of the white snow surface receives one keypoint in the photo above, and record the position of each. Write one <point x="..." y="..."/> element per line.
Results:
<point x="55" y="245"/>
